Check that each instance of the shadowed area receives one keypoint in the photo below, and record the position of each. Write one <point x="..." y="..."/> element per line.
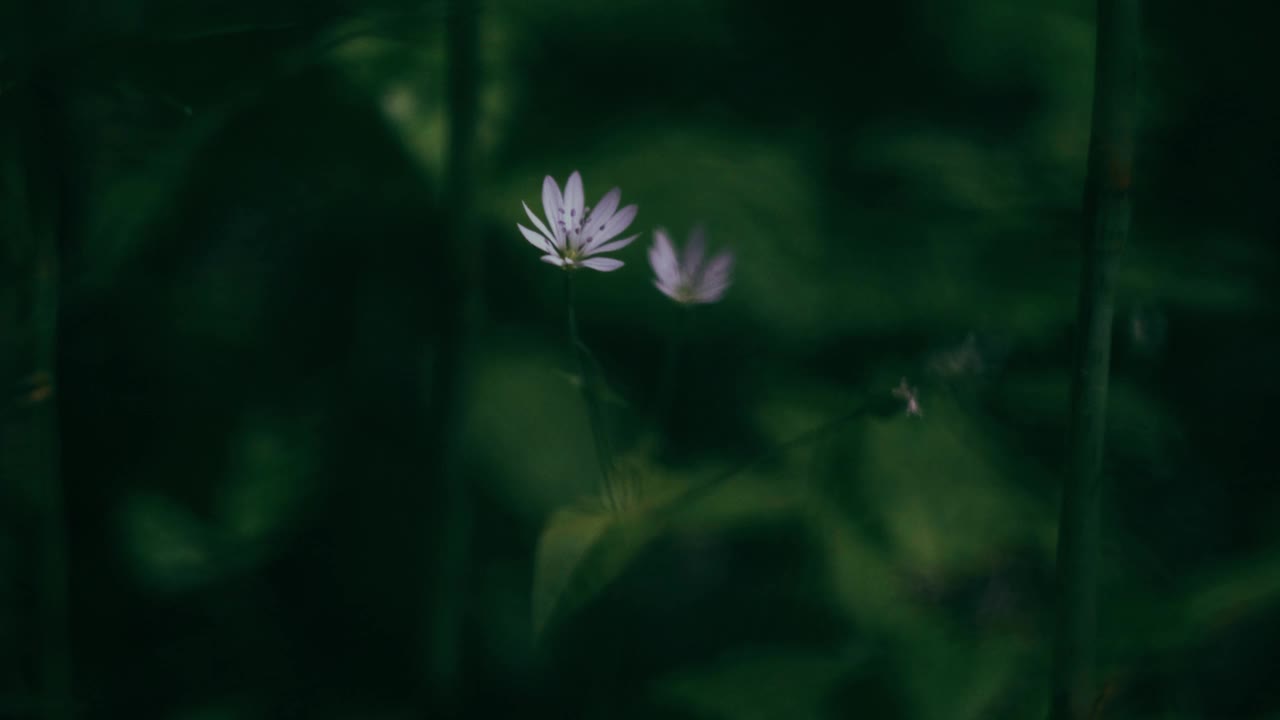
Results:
<point x="281" y="401"/>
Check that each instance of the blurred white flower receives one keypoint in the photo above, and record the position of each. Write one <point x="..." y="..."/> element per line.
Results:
<point x="963" y="360"/>
<point x="576" y="238"/>
<point x="689" y="278"/>
<point x="910" y="394"/>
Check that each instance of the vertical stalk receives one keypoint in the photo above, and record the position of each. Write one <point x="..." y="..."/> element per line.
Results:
<point x="595" y="418"/>
<point x="448" y="590"/>
<point x="1107" y="220"/>
<point x="32" y="191"/>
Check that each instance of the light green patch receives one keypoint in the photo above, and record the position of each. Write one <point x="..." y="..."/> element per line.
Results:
<point x="584" y="548"/>
<point x="531" y="424"/>
<point x="941" y="493"/>
<point x="267" y="480"/>
<point x="167" y="545"/>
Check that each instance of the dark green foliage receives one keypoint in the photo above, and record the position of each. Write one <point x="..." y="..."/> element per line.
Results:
<point x="285" y="385"/>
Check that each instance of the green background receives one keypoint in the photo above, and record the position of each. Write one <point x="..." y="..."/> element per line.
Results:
<point x="259" y="291"/>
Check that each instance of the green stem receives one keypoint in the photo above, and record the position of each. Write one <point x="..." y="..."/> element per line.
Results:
<point x="1107" y="219"/>
<point x="452" y="532"/>
<point x="590" y="396"/>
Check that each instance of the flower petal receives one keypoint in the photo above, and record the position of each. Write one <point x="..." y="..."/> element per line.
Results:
<point x="572" y="216"/>
<point x="694" y="251"/>
<point x="602" y="264"/>
<point x="553" y="204"/>
<point x="612" y="228"/>
<point x="667" y="290"/>
<point x="537" y="222"/>
<point x="602" y="212"/>
<point x="718" y="270"/>
<point x="535" y="239"/>
<point x="553" y="259"/>
<point x="610" y="247"/>
<point x="710" y="294"/>
<point x="662" y="258"/>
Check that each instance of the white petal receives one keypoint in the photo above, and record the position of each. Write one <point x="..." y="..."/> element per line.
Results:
<point x="710" y="294"/>
<point x="662" y="258"/>
<point x="610" y="247"/>
<point x="553" y="203"/>
<point x="601" y="213"/>
<point x="573" y="200"/>
<point x="537" y="222"/>
<point x="717" y="271"/>
<point x="666" y="290"/>
<point x="534" y="238"/>
<point x="553" y="259"/>
<point x="612" y="228"/>
<point x="602" y="264"/>
<point x="691" y="261"/>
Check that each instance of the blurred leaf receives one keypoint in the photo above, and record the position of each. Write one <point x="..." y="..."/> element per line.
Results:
<point x="267" y="480"/>
<point x="950" y="169"/>
<point x="1208" y="270"/>
<point x="760" y="685"/>
<point x="942" y="492"/>
<point x="574" y="560"/>
<point x="1242" y="590"/>
<point x="140" y="185"/>
<point x="173" y="549"/>
<point x="583" y="549"/>
<point x="945" y="670"/>
<point x="1161" y="619"/>
<point x="170" y="548"/>
<point x="1138" y="424"/>
<point x="531" y="424"/>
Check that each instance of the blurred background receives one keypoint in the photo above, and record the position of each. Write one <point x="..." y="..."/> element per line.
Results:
<point x="305" y="440"/>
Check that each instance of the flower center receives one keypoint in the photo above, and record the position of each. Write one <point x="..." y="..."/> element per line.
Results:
<point x="685" y="290"/>
<point x="571" y="224"/>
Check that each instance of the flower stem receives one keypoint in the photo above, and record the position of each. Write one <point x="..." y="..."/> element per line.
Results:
<point x="1107" y="218"/>
<point x="595" y="418"/>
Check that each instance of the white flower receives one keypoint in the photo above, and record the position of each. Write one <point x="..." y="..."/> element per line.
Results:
<point x="576" y="238"/>
<point x="689" y="278"/>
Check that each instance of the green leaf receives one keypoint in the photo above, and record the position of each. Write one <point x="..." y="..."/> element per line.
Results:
<point x="579" y="553"/>
<point x="586" y="547"/>
<point x="170" y="548"/>
<point x="773" y="685"/>
<point x="267" y="481"/>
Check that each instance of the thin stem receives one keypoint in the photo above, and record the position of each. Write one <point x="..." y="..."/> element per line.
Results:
<point x="595" y="418"/>
<point x="1107" y="220"/>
